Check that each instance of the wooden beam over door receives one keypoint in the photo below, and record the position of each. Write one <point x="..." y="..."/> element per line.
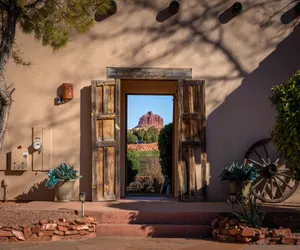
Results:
<point x="149" y="73"/>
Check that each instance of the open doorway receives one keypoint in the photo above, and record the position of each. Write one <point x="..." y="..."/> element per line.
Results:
<point x="149" y="145"/>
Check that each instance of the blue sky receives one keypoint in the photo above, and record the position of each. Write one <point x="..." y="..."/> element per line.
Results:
<point x="139" y="105"/>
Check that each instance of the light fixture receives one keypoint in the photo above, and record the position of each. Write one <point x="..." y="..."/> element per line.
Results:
<point x="297" y="9"/>
<point x="82" y="197"/>
<point x="236" y="8"/>
<point x="174" y="7"/>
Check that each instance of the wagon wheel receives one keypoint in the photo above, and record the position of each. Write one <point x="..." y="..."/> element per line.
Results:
<point x="276" y="181"/>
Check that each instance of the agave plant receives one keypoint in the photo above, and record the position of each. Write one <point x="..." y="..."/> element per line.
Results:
<point x="250" y="213"/>
<point x="238" y="172"/>
<point x="64" y="172"/>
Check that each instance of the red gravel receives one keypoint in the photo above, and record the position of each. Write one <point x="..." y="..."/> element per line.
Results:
<point x="10" y="215"/>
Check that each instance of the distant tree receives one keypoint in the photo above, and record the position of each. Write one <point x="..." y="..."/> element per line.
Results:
<point x="131" y="138"/>
<point x="147" y="137"/>
<point x="140" y="134"/>
<point x="165" y="150"/>
<point x="153" y="133"/>
<point x="133" y="166"/>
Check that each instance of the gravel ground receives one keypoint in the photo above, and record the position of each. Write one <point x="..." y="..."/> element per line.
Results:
<point x="11" y="215"/>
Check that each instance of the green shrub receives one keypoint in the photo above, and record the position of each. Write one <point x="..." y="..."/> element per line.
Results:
<point x="165" y="151"/>
<point x="131" y="138"/>
<point x="285" y="134"/>
<point x="133" y="166"/>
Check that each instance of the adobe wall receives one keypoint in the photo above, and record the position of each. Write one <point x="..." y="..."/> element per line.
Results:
<point x="240" y="61"/>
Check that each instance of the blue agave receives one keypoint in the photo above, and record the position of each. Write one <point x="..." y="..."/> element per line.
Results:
<point x="63" y="172"/>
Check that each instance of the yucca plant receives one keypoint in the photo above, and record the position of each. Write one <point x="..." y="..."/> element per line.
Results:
<point x="250" y="213"/>
<point x="64" y="172"/>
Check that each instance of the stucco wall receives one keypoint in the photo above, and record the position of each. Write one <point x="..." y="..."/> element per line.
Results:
<point x="239" y="60"/>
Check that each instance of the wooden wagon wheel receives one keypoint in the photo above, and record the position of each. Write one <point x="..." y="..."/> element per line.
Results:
<point x="276" y="181"/>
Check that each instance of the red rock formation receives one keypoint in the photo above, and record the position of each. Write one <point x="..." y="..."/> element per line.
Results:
<point x="148" y="120"/>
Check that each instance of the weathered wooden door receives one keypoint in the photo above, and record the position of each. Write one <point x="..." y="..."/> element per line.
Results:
<point x="105" y="140"/>
<point x="192" y="167"/>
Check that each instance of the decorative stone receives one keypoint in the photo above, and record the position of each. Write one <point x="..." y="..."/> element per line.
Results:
<point x="248" y="232"/>
<point x="260" y="236"/>
<point x="216" y="230"/>
<point x="13" y="239"/>
<point x="35" y="229"/>
<point x="233" y="222"/>
<point x="82" y="232"/>
<point x="6" y="228"/>
<point x="17" y="228"/>
<point x="91" y="230"/>
<point x="234" y="231"/>
<point x="43" y="222"/>
<point x="59" y="232"/>
<point x="64" y="224"/>
<point x="45" y="233"/>
<point x="72" y="227"/>
<point x="247" y="239"/>
<point x="56" y="238"/>
<point x="71" y="232"/>
<point x="61" y="228"/>
<point x="223" y="223"/>
<point x="222" y="237"/>
<point x="19" y="235"/>
<point x="289" y="241"/>
<point x="27" y="232"/>
<point x="4" y="233"/>
<point x="282" y="232"/>
<point x="50" y="226"/>
<point x="62" y="220"/>
<point x="214" y="223"/>
<point x="34" y="237"/>
<point x="81" y="227"/>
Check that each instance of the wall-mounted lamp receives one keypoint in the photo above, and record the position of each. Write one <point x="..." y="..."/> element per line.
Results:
<point x="236" y="8"/>
<point x="113" y="8"/>
<point x="82" y="197"/>
<point x="174" y="7"/>
<point x="297" y="9"/>
<point x="64" y="93"/>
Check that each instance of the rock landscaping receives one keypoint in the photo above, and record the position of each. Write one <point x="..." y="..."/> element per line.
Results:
<point x="50" y="230"/>
<point x="227" y="228"/>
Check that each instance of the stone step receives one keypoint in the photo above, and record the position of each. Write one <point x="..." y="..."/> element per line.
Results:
<point x="154" y="230"/>
<point x="173" y="218"/>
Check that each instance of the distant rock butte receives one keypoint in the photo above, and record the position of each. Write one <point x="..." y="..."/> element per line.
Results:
<point x="150" y="120"/>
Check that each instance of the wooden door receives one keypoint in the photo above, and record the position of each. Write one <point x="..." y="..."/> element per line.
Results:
<point x="192" y="167"/>
<point x="105" y="140"/>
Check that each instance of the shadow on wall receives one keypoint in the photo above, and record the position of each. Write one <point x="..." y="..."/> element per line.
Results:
<point x="85" y="142"/>
<point x="38" y="192"/>
<point x="236" y="123"/>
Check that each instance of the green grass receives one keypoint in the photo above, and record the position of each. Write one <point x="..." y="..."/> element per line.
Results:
<point x="147" y="153"/>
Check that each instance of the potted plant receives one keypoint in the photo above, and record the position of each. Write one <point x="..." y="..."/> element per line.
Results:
<point x="237" y="175"/>
<point x="63" y="179"/>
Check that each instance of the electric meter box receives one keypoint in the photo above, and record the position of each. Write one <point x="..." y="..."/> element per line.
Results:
<point x="19" y="160"/>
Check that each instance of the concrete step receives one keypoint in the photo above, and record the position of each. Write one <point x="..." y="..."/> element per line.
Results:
<point x="134" y="217"/>
<point x="154" y="230"/>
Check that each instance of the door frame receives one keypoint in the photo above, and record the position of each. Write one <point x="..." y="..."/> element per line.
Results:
<point x="128" y="73"/>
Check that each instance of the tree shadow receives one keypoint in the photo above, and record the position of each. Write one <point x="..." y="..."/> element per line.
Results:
<point x="247" y="110"/>
<point x="38" y="192"/>
<point x="86" y="142"/>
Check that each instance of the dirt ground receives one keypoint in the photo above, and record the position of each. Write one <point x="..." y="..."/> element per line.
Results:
<point x="11" y="215"/>
<point x="125" y="244"/>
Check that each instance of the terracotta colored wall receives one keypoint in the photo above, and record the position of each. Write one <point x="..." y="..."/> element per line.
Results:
<point x="240" y="61"/>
